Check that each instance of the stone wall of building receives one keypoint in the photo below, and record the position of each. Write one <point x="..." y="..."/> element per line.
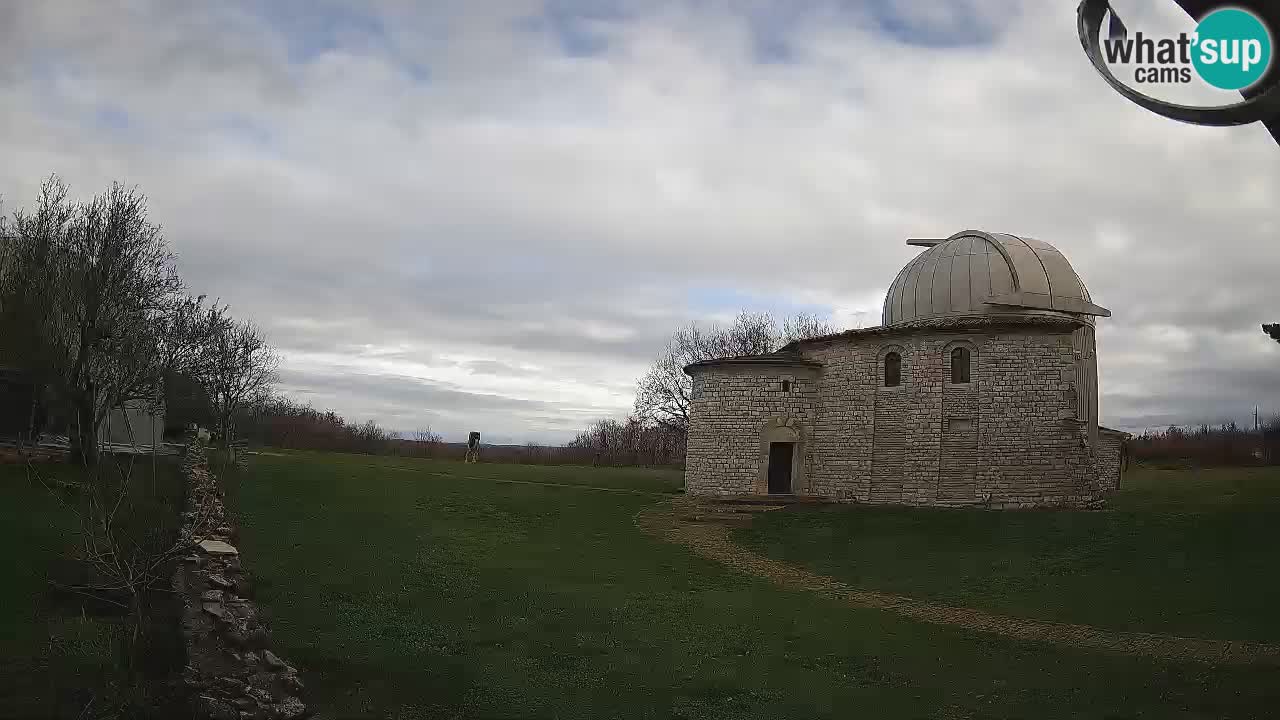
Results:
<point x="1033" y="449"/>
<point x="1109" y="460"/>
<point x="1011" y="437"/>
<point x="929" y="441"/>
<point x="846" y="403"/>
<point x="735" y="405"/>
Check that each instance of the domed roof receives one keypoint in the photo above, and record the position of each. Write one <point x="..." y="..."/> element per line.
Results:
<point x="981" y="273"/>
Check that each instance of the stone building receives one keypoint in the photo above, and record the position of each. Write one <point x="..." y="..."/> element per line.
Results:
<point x="979" y="388"/>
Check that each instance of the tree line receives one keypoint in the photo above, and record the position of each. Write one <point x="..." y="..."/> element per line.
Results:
<point x="654" y="434"/>
<point x="94" y="312"/>
<point x="1211" y="445"/>
<point x="96" y="316"/>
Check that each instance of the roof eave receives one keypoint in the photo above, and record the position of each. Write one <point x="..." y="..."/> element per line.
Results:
<point x="771" y="359"/>
<point x="1033" y="301"/>
<point x="945" y="323"/>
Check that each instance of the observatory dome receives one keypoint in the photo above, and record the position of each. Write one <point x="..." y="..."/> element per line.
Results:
<point x="982" y="273"/>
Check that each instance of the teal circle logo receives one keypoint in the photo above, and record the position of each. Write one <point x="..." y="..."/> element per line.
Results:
<point x="1232" y="49"/>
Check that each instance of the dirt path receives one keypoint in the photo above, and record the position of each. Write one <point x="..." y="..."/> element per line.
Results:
<point x="711" y="540"/>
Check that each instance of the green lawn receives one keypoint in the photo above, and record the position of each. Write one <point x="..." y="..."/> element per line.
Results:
<point x="416" y="589"/>
<point x="1189" y="552"/>
<point x="621" y="478"/>
<point x="62" y="654"/>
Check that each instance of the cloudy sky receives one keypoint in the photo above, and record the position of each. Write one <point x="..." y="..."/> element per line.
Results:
<point x="489" y="215"/>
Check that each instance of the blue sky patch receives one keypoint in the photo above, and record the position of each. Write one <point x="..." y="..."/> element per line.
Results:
<point x="244" y="128"/>
<point x="570" y="23"/>
<point x="965" y="27"/>
<point x="312" y="28"/>
<point x="111" y="118"/>
<point x="771" y="26"/>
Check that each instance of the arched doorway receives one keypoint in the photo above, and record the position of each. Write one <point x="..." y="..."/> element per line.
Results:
<point x="781" y="458"/>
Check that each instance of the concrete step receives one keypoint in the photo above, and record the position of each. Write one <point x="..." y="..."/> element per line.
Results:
<point x="778" y="500"/>
<point x="739" y="519"/>
<point x="740" y="509"/>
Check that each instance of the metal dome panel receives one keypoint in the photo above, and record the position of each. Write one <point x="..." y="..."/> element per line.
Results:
<point x="975" y="272"/>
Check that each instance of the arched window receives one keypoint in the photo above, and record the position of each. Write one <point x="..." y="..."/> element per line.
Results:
<point x="892" y="370"/>
<point x="960" y="365"/>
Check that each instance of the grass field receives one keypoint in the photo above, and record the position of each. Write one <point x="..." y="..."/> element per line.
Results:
<point x="1188" y="552"/>
<point x="62" y="654"/>
<point x="415" y="589"/>
<point x="620" y="478"/>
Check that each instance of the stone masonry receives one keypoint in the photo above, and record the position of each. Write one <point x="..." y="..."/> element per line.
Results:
<point x="735" y="407"/>
<point x="1011" y="437"/>
<point x="1022" y="432"/>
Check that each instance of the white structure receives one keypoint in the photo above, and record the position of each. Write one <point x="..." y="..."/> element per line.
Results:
<point x="137" y="424"/>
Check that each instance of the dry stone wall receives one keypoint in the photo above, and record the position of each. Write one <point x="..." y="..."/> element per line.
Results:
<point x="1011" y="437"/>
<point x="231" y="671"/>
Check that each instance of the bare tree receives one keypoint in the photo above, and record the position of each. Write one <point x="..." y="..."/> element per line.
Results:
<point x="239" y="371"/>
<point x="118" y="542"/>
<point x="87" y="286"/>
<point x="185" y="335"/>
<point x="427" y="436"/>
<point x="371" y="437"/>
<point x="804" y="326"/>
<point x="426" y="442"/>
<point x="610" y="442"/>
<point x="663" y="393"/>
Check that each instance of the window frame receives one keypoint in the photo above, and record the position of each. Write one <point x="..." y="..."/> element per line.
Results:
<point x="961" y="374"/>
<point x="895" y="357"/>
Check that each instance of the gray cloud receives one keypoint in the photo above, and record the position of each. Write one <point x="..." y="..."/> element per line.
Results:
<point x="410" y="403"/>
<point x="435" y="209"/>
<point x="394" y="390"/>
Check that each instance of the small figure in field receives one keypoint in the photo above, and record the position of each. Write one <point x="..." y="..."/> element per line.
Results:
<point x="473" y="447"/>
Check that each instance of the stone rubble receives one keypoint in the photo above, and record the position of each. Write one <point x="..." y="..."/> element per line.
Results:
<point x="232" y="673"/>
